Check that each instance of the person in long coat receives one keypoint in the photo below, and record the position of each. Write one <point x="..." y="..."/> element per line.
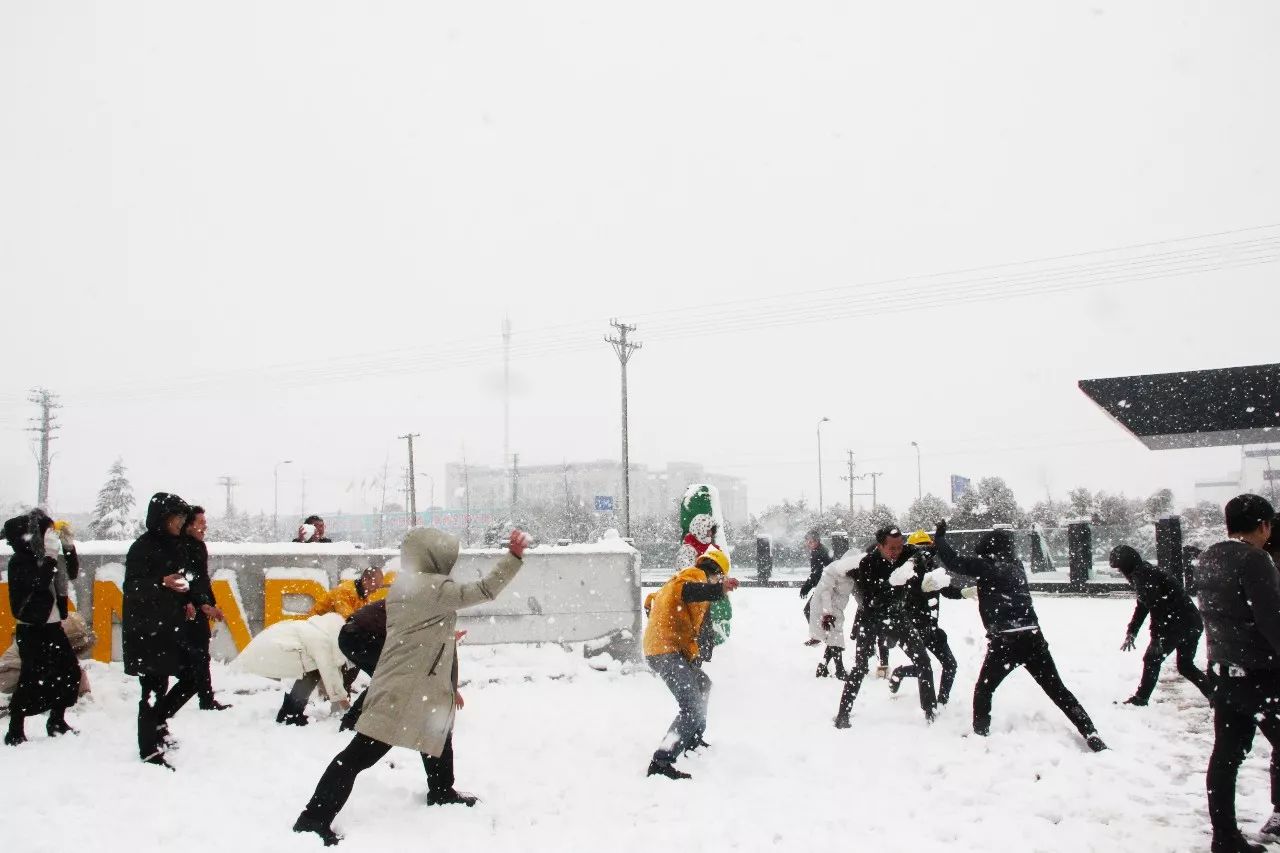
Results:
<point x="50" y="675"/>
<point x="412" y="700"/>
<point x="153" y="625"/>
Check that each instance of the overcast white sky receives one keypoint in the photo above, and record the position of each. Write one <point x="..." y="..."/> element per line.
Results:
<point x="194" y="194"/>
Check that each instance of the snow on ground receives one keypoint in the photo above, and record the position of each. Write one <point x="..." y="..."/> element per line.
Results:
<point x="558" y="753"/>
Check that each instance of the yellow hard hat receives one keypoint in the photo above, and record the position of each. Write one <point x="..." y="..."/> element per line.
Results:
<point x="919" y="538"/>
<point x="715" y="555"/>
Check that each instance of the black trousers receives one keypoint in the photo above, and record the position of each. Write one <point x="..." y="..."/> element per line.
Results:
<point x="935" y="641"/>
<point x="1005" y="653"/>
<point x="871" y="630"/>
<point x="1160" y="648"/>
<point x="159" y="702"/>
<point x="196" y="639"/>
<point x="362" y="753"/>
<point x="1241" y="706"/>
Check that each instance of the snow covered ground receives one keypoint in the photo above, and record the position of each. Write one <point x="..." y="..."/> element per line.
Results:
<point x="558" y="753"/>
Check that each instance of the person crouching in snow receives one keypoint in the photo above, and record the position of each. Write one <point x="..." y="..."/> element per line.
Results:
<point x="414" y="694"/>
<point x="676" y="641"/>
<point x="305" y="650"/>
<point x="1013" y="629"/>
<point x="1176" y="625"/>
<point x="826" y="612"/>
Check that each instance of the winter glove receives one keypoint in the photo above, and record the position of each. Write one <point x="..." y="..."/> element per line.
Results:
<point x="1127" y="645"/>
<point x="828" y="621"/>
<point x="730" y="584"/>
<point x="969" y="592"/>
<point x="803" y="592"/>
<point x="65" y="535"/>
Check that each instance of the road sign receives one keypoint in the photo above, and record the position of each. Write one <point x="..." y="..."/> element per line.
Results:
<point x="959" y="486"/>
<point x="604" y="503"/>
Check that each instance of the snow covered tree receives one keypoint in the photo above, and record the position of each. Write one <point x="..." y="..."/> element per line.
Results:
<point x="924" y="511"/>
<point x="1159" y="504"/>
<point x="113" y="513"/>
<point x="1001" y="505"/>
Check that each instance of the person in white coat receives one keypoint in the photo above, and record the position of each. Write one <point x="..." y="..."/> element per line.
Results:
<point x="414" y="694"/>
<point x="826" y="612"/>
<point x="293" y="649"/>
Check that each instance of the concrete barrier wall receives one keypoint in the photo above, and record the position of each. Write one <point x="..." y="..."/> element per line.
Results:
<point x="563" y="594"/>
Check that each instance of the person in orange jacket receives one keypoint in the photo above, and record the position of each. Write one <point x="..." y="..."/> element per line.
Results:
<point x="344" y="599"/>
<point x="674" y="641"/>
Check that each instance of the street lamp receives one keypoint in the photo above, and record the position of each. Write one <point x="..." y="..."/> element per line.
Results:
<point x="432" y="502"/>
<point x="919" y="490"/>
<point x="820" y="423"/>
<point x="275" y="500"/>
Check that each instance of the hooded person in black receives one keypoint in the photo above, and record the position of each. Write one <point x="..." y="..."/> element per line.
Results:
<point x="1013" y="629"/>
<point x="1175" y="623"/>
<point x="1239" y="595"/>
<point x="876" y="621"/>
<point x="153" y="625"/>
<point x="201" y="607"/>
<point x="50" y="676"/>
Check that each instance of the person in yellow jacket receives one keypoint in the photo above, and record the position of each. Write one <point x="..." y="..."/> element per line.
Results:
<point x="344" y="599"/>
<point x="677" y="640"/>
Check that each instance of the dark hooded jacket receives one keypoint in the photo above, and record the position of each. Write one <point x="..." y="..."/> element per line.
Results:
<point x="912" y="605"/>
<point x="1239" y="593"/>
<point x="154" y="616"/>
<point x="819" y="559"/>
<point x="1004" y="599"/>
<point x="871" y="585"/>
<point x="32" y="596"/>
<point x="1173" y="613"/>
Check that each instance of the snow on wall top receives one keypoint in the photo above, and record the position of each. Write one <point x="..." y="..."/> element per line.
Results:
<point x="109" y="548"/>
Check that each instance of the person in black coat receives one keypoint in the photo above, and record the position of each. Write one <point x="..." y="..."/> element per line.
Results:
<point x="201" y="607"/>
<point x="361" y="640"/>
<point x="1014" y="638"/>
<point x="918" y="606"/>
<point x="50" y="675"/>
<point x="819" y="559"/>
<point x="875" y="622"/>
<point x="1175" y="623"/>
<point x="153" y="625"/>
<point x="1239" y="596"/>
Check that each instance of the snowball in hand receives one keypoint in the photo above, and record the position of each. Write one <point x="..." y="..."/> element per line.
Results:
<point x="936" y="580"/>
<point x="902" y="574"/>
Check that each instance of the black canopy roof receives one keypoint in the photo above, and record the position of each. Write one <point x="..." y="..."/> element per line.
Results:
<point x="1197" y="408"/>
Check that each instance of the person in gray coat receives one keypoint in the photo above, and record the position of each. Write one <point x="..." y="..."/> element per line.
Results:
<point x="412" y="699"/>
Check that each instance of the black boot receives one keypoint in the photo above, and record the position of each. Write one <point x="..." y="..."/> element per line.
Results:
<point x="17" y="733"/>
<point x="290" y="715"/>
<point x="449" y="797"/>
<point x="57" y="724"/>
<point x="1136" y="700"/>
<point x="213" y="705"/>
<point x="1095" y="743"/>
<point x="326" y="833"/>
<point x="1234" y="843"/>
<point x="662" y="768"/>
<point x="822" y="672"/>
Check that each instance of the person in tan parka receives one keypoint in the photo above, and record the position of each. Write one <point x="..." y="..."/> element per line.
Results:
<point x="676" y="642"/>
<point x="414" y="693"/>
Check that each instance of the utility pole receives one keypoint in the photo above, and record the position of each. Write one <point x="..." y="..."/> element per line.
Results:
<point x="873" y="475"/>
<point x="624" y="349"/>
<point x="228" y="483"/>
<point x="413" y="489"/>
<point x="45" y="426"/>
<point x="506" y="400"/>
<point x="515" y="482"/>
<point x="849" y="479"/>
<point x="568" y="512"/>
<point x="382" y="509"/>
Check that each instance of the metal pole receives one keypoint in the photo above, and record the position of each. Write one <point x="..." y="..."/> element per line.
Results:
<point x="919" y="488"/>
<point x="820" y="423"/>
<point x="413" y="490"/>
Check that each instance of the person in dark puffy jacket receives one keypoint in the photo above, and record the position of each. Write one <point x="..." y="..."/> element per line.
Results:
<point x="1013" y="629"/>
<point x="153" y="626"/>
<point x="201" y="607"/>
<point x="50" y="675"/>
<point x="1175" y="623"/>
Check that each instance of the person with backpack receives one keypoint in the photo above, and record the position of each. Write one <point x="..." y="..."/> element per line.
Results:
<point x="1014" y="638"/>
<point x="677" y="641"/>
<point x="1175" y="623"/>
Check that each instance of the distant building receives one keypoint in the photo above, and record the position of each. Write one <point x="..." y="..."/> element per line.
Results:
<point x="653" y="491"/>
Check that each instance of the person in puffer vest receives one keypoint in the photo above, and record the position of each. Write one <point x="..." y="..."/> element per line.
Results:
<point x="677" y="640"/>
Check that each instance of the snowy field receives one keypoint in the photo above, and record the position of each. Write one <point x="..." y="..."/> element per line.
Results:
<point x="558" y="752"/>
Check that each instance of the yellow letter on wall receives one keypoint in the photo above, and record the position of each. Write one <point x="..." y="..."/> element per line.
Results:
<point x="273" y="593"/>
<point x="108" y="606"/>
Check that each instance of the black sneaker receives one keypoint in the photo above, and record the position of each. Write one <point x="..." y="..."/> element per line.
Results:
<point x="661" y="768"/>
<point x="14" y="738"/>
<point x="1136" y="700"/>
<point x="842" y="722"/>
<point x="451" y="798"/>
<point x="59" y="727"/>
<point x="326" y="833"/>
<point x="1095" y="743"/>
<point x="288" y="719"/>
<point x="1236" y="843"/>
<point x="822" y="672"/>
<point x="698" y="743"/>
<point x="214" y="705"/>
<point x="895" y="683"/>
<point x="157" y="758"/>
